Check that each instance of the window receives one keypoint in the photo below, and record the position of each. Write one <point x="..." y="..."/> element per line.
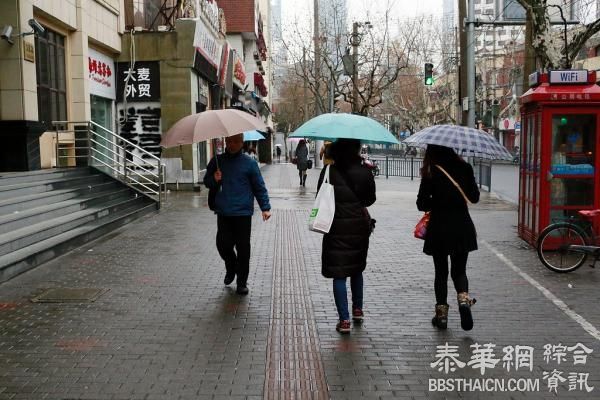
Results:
<point x="51" y="79"/>
<point x="489" y="1"/>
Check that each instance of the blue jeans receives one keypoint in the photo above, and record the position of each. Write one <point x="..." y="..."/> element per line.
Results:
<point x="340" y="294"/>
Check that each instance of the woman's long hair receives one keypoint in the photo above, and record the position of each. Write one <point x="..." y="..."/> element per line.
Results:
<point x="345" y="152"/>
<point x="440" y="155"/>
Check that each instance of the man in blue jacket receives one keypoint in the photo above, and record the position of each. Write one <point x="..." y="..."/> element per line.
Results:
<point x="236" y="180"/>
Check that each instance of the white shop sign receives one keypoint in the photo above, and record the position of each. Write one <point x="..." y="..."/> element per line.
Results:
<point x="207" y="44"/>
<point x="568" y="77"/>
<point x="101" y="74"/>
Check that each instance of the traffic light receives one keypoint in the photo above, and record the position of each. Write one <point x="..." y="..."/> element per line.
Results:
<point x="428" y="74"/>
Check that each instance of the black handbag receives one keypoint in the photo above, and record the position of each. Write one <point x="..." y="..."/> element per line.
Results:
<point x="309" y="164"/>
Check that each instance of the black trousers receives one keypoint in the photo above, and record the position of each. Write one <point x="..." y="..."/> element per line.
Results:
<point x="234" y="233"/>
<point x="458" y="273"/>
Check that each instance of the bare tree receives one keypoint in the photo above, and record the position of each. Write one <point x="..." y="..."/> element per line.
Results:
<point x="412" y="104"/>
<point x="380" y="60"/>
<point x="547" y="44"/>
<point x="293" y="107"/>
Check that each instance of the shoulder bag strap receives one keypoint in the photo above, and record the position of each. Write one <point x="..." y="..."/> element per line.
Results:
<point x="326" y="177"/>
<point x="455" y="184"/>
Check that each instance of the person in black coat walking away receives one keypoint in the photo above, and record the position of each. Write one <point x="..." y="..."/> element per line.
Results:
<point x="346" y="245"/>
<point x="450" y="232"/>
<point x="302" y="161"/>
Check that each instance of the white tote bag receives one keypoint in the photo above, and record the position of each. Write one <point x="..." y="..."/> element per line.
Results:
<point x="323" y="210"/>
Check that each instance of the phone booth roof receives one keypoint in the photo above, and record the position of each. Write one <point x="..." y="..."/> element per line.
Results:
<point x="564" y="86"/>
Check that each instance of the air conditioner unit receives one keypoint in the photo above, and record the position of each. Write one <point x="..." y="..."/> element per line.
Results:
<point x="162" y="28"/>
<point x="256" y="56"/>
<point x="138" y="28"/>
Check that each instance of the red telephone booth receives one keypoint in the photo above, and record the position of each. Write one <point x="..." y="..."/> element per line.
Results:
<point x="560" y="139"/>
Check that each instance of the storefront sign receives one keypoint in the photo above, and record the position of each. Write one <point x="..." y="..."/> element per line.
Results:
<point x="534" y="79"/>
<point x="507" y="124"/>
<point x="101" y="74"/>
<point x="210" y="10"/>
<point x="224" y="63"/>
<point x="239" y="72"/>
<point x="568" y="77"/>
<point x="203" y="88"/>
<point x="207" y="44"/>
<point x="140" y="83"/>
<point x="28" y="51"/>
<point x="140" y="123"/>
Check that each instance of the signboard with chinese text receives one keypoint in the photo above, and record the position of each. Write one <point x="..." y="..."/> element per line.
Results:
<point x="568" y="77"/>
<point x="142" y="83"/>
<point x="207" y="44"/>
<point x="101" y="74"/>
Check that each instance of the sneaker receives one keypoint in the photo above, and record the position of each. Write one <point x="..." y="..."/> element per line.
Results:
<point x="343" y="326"/>
<point x="229" y="277"/>
<point x="242" y="290"/>
<point x="357" y="314"/>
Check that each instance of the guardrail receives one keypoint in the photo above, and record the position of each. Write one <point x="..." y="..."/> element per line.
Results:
<point x="410" y="167"/>
<point x="98" y="147"/>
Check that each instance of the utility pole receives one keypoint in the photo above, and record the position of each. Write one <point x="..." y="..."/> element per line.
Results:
<point x="317" y="58"/>
<point x="318" y="98"/>
<point x="355" y="43"/>
<point x="462" y="69"/>
<point x="471" y="62"/>
<point x="305" y="92"/>
<point x="457" y="72"/>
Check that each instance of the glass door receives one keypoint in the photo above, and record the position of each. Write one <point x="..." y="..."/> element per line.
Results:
<point x="572" y="163"/>
<point x="101" y="110"/>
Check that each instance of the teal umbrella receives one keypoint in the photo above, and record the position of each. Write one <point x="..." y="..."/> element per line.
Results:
<point x="334" y="126"/>
<point x="252" y="135"/>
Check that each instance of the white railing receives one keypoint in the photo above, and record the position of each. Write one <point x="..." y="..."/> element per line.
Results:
<point x="111" y="154"/>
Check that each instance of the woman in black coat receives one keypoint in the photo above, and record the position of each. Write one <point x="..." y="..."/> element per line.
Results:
<point x="346" y="245"/>
<point x="450" y="231"/>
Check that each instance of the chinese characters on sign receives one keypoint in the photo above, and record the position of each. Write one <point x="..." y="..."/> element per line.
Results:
<point x="140" y="83"/>
<point x="101" y="74"/>
<point x="560" y="358"/>
<point x="140" y="125"/>
<point x="207" y="44"/>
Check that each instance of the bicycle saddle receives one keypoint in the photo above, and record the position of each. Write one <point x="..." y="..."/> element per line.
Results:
<point x="589" y="213"/>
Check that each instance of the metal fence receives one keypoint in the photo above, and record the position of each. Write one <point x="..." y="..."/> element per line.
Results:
<point x="410" y="168"/>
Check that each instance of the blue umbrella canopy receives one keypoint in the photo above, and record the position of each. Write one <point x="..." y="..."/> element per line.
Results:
<point x="252" y="135"/>
<point x="334" y="126"/>
<point x="464" y="140"/>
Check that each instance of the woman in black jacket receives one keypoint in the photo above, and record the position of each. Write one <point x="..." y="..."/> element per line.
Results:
<point x="346" y="245"/>
<point x="450" y="231"/>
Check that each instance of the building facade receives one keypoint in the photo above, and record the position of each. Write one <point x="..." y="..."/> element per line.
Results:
<point x="64" y="73"/>
<point x="248" y="33"/>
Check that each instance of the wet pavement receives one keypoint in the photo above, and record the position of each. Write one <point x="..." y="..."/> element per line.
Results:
<point x="164" y="327"/>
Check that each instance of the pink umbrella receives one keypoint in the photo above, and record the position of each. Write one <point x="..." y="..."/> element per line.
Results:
<point x="210" y="124"/>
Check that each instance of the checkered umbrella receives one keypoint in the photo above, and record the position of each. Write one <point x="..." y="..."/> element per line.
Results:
<point x="465" y="141"/>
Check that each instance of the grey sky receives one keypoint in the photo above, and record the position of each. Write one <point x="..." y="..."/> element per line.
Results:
<point x="360" y="10"/>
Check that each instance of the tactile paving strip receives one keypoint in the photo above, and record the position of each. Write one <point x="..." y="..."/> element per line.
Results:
<point x="294" y="366"/>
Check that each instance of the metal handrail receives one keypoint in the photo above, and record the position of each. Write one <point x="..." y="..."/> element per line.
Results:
<point x="122" y="164"/>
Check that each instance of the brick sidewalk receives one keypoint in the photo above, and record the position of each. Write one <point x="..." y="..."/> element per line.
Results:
<point x="168" y="329"/>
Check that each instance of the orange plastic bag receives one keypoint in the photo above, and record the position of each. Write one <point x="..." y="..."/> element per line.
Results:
<point x="421" y="227"/>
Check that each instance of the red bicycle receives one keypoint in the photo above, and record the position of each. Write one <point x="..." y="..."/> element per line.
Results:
<point x="565" y="246"/>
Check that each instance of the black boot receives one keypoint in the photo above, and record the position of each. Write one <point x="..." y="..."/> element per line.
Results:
<point x="464" y="308"/>
<point x="440" y="319"/>
<point x="304" y="180"/>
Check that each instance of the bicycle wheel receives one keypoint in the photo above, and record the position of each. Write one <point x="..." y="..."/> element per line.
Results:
<point x="554" y="247"/>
